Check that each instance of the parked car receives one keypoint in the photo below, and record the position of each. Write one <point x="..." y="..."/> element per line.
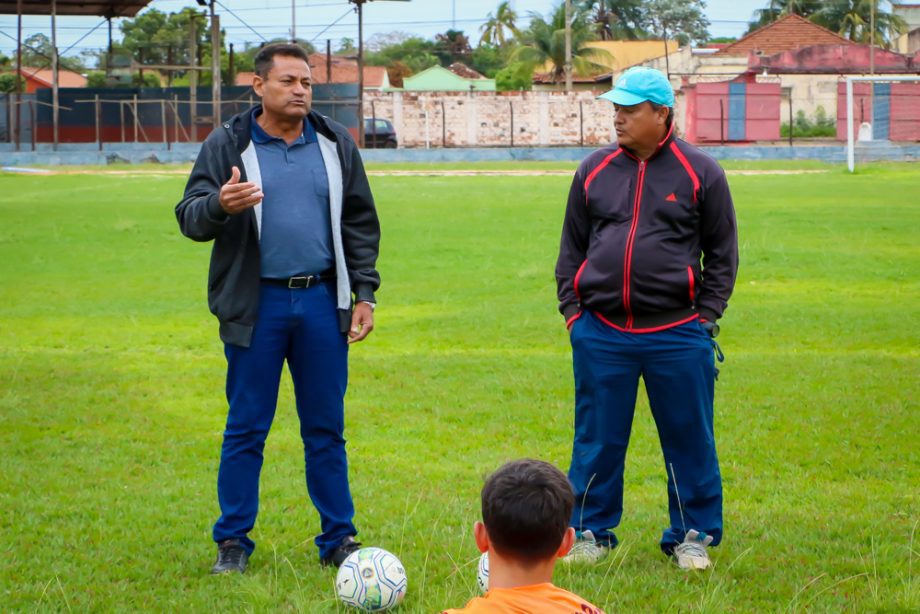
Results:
<point x="379" y="133"/>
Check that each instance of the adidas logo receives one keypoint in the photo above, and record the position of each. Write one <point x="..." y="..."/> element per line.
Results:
<point x="672" y="198"/>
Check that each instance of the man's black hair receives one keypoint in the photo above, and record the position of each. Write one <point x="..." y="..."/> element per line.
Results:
<point x="670" y="118"/>
<point x="526" y="506"/>
<point x="265" y="57"/>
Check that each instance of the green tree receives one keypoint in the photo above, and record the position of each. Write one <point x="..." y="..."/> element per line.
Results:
<point x="346" y="47"/>
<point x="415" y="53"/>
<point x="37" y="51"/>
<point x="453" y="46"/>
<point x="514" y="77"/>
<point x="617" y="19"/>
<point x="8" y="82"/>
<point x="681" y="20"/>
<point x="852" y="19"/>
<point x="96" y="78"/>
<point x="150" y="36"/>
<point x="544" y="41"/>
<point x="780" y="8"/>
<point x="489" y="59"/>
<point x="493" y="30"/>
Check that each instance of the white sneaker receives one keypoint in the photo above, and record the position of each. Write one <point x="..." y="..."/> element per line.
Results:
<point x="585" y="550"/>
<point x="692" y="553"/>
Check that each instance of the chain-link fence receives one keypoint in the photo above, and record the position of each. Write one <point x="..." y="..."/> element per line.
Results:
<point x="791" y="109"/>
<point x="143" y="115"/>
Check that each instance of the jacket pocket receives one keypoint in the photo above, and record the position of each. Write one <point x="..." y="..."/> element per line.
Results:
<point x="611" y="200"/>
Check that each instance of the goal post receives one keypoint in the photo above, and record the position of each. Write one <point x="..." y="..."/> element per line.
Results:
<point x="894" y="111"/>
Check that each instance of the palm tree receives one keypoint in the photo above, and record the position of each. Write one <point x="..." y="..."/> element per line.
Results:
<point x="852" y="19"/>
<point x="780" y="8"/>
<point x="493" y="30"/>
<point x="544" y="41"/>
<point x="616" y="19"/>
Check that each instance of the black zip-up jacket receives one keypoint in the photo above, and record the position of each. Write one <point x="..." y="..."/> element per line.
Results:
<point x="633" y="237"/>
<point x="234" y="274"/>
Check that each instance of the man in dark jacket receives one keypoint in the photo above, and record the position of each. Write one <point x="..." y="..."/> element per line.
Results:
<point x="282" y="192"/>
<point x="646" y="265"/>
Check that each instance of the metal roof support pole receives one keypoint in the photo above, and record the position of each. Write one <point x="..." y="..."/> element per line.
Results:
<point x="17" y="118"/>
<point x="215" y="67"/>
<point x="360" y="4"/>
<point x="55" y="103"/>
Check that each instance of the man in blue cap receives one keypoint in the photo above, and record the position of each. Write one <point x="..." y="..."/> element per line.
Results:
<point x="647" y="262"/>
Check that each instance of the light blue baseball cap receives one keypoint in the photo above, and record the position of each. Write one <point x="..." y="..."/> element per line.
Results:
<point x="639" y="84"/>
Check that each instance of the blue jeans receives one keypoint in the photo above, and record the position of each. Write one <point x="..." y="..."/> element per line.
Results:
<point x="300" y="326"/>
<point x="678" y="367"/>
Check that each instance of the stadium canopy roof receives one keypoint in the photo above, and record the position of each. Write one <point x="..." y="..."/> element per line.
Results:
<point x="109" y="9"/>
<point x="102" y="8"/>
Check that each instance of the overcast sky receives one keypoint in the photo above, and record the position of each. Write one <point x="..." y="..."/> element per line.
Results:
<point x="272" y="19"/>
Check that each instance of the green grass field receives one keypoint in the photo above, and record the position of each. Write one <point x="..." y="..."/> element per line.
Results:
<point x="111" y="406"/>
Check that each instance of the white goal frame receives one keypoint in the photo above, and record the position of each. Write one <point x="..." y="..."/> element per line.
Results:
<point x="851" y="140"/>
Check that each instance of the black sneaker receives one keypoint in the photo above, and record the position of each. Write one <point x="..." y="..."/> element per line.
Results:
<point x="341" y="553"/>
<point x="231" y="557"/>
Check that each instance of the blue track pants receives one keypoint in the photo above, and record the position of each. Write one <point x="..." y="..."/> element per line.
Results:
<point x="678" y="367"/>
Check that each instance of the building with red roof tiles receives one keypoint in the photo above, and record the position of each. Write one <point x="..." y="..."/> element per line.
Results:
<point x="344" y="69"/>
<point x="785" y="34"/>
<point x="38" y="78"/>
<point x="341" y="69"/>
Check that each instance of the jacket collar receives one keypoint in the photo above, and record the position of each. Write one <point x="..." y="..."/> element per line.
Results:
<point x="240" y="126"/>
<point x="664" y="143"/>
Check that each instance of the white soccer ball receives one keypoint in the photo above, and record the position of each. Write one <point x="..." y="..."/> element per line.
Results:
<point x="371" y="579"/>
<point x="482" y="572"/>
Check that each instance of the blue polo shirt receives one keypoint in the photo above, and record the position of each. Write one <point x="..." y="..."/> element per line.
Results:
<point x="296" y="236"/>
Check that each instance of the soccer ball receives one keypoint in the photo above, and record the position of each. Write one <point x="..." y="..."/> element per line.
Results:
<point x="482" y="572"/>
<point x="371" y="579"/>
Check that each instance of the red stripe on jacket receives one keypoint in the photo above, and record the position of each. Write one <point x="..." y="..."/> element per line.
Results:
<point x="686" y="164"/>
<point x="598" y="169"/>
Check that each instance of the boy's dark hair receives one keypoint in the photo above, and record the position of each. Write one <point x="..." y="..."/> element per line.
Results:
<point x="265" y="57"/>
<point x="526" y="506"/>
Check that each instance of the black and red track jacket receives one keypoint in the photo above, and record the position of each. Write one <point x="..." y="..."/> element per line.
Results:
<point x="634" y="233"/>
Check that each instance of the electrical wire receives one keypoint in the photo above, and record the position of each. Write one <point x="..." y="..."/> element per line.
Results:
<point x="332" y="24"/>
<point x="240" y="19"/>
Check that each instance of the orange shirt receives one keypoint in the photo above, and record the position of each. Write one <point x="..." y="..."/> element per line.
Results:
<point x="534" y="599"/>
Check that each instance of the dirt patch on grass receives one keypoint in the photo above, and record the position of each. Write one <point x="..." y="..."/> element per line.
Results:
<point x="375" y="173"/>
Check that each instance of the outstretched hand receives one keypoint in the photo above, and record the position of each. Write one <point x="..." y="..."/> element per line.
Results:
<point x="236" y="197"/>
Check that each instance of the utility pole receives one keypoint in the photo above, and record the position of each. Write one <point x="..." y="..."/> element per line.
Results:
<point x="360" y="4"/>
<point x="359" y="7"/>
<point x="215" y="67"/>
<point x="55" y="68"/>
<point x="231" y="68"/>
<point x="667" y="55"/>
<point x="170" y="59"/>
<point x="193" y="75"/>
<point x="294" y="21"/>
<point x="17" y="126"/>
<point x="568" y="46"/>
<point x="872" y="37"/>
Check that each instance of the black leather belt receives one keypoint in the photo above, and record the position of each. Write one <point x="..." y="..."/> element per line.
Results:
<point x="301" y="281"/>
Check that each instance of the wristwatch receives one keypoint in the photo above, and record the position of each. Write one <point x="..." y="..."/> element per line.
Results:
<point x="373" y="305"/>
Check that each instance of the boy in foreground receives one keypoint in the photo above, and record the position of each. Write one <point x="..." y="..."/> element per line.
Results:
<point x="526" y="506"/>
